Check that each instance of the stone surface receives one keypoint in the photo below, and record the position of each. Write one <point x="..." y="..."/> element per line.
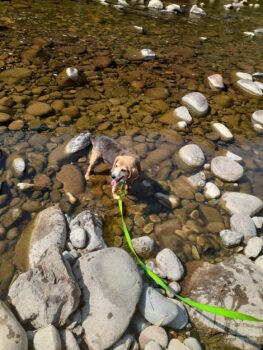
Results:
<point x="257" y="117"/>
<point x="155" y="4"/>
<point x="175" y="344"/>
<point x="153" y="333"/>
<point x="258" y="221"/>
<point x="68" y="341"/>
<point x="226" y="169"/>
<point x="47" y="338"/>
<point x="152" y="345"/>
<point x="182" y="318"/>
<point x="196" y="103"/>
<point x="216" y="82"/>
<point x="197" y="181"/>
<point x="243" y="203"/>
<point x="224" y="133"/>
<point x="12" y="335"/>
<point x="144" y="246"/>
<point x="236" y="284"/>
<point x="211" y="191"/>
<point x="127" y="342"/>
<point x="244" y="224"/>
<point x="192" y="343"/>
<point x="171" y="266"/>
<point x="78" y="237"/>
<point x="72" y="179"/>
<point x="230" y="238"/>
<point x="78" y="143"/>
<point x="249" y="87"/>
<point x="259" y="262"/>
<point x="254" y="247"/>
<point x="192" y="155"/>
<point x="197" y="11"/>
<point x="19" y="166"/>
<point x="49" y="231"/>
<point x="91" y="223"/>
<point x="39" y="109"/>
<point x="46" y="294"/>
<point x="111" y="287"/>
<point x="5" y="118"/>
<point x="15" y="75"/>
<point x="183" y="114"/>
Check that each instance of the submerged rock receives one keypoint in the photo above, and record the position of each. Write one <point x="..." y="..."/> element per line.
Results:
<point x="15" y="75"/>
<point x="197" y="11"/>
<point x="169" y="264"/>
<point x="249" y="87"/>
<point x="243" y="203"/>
<point x="230" y="238"/>
<point x="72" y="179"/>
<point x="224" y="133"/>
<point x="216" y="82"/>
<point x="196" y="103"/>
<point x="192" y="155"/>
<point x="226" y="169"/>
<point x="155" y="4"/>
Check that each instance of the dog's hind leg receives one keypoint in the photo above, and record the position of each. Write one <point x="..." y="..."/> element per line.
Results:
<point x="95" y="155"/>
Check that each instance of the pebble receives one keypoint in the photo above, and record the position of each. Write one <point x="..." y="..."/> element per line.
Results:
<point x="39" y="109"/>
<point x="226" y="169"/>
<point x="196" y="103"/>
<point x="257" y="117"/>
<point x="253" y="247"/>
<point x="230" y="238"/>
<point x="233" y="156"/>
<point x="19" y="166"/>
<point x="224" y="133"/>
<point x="138" y="323"/>
<point x="175" y="344"/>
<point x="144" y="246"/>
<point x="211" y="191"/>
<point x="78" y="237"/>
<point x="248" y="86"/>
<point x="5" y="118"/>
<point x="148" y="54"/>
<point x="153" y="333"/>
<point x="237" y="202"/>
<point x="183" y="114"/>
<point x="78" y="143"/>
<point x="243" y="75"/>
<point x="197" y="11"/>
<point x="192" y="155"/>
<point x="68" y="340"/>
<point x="244" y="224"/>
<point x="155" y="4"/>
<point x="176" y="288"/>
<point x="192" y="343"/>
<point x="258" y="221"/>
<point x="152" y="345"/>
<point x="181" y="125"/>
<point x="47" y="338"/>
<point x="173" y="7"/>
<point x="216" y="82"/>
<point x="258" y="128"/>
<point x="169" y="263"/>
<point x="197" y="181"/>
<point x="259" y="262"/>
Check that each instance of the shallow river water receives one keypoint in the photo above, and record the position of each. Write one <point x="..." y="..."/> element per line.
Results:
<point x="117" y="96"/>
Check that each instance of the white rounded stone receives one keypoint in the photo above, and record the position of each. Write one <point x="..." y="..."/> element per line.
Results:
<point x="258" y="128"/>
<point x="242" y="75"/>
<point x="244" y="224"/>
<point x="237" y="202"/>
<point x="169" y="263"/>
<point x="181" y="125"/>
<point x="78" y="237"/>
<point x="153" y="333"/>
<point x="197" y="181"/>
<point x="197" y="11"/>
<point x="259" y="84"/>
<point x="72" y="73"/>
<point x="192" y="343"/>
<point x="196" y="103"/>
<point x="216" y="82"/>
<point x="144" y="246"/>
<point x="148" y="54"/>
<point x="230" y="238"/>
<point x="249" y="87"/>
<point x="254" y="247"/>
<point x="211" y="191"/>
<point x="257" y="117"/>
<point x="155" y="4"/>
<point x="173" y="7"/>
<point x="224" y="133"/>
<point x="19" y="165"/>
<point x="183" y="114"/>
<point x="47" y="338"/>
<point x="226" y="169"/>
<point x="233" y="156"/>
<point x="192" y="155"/>
<point x="259" y="262"/>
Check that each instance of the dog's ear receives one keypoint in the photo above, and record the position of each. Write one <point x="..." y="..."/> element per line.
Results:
<point x="134" y="171"/>
<point x="114" y="163"/>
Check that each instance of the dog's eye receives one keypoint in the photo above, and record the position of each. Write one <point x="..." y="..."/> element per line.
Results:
<point x="124" y="170"/>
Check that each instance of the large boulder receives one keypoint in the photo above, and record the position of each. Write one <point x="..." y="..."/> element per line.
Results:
<point x="12" y="335"/>
<point x="236" y="284"/>
<point x="111" y="287"/>
<point x="46" y="294"/>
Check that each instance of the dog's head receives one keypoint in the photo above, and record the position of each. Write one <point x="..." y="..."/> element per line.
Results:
<point x="125" y="169"/>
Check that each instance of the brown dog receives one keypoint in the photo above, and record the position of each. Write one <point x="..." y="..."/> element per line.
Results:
<point x="125" y="163"/>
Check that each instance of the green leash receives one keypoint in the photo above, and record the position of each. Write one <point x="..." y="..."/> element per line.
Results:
<point x="161" y="283"/>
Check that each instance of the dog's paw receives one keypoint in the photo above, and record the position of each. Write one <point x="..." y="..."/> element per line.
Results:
<point x="87" y="177"/>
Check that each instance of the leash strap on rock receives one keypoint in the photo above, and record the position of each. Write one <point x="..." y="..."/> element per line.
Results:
<point x="203" y="307"/>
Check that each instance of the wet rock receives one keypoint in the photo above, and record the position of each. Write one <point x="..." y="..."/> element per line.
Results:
<point x="223" y="101"/>
<point x="175" y="344"/>
<point x="234" y="274"/>
<point x="224" y="133"/>
<point x="182" y="188"/>
<point x="233" y="156"/>
<point x="78" y="237"/>
<point x="19" y="166"/>
<point x="157" y="156"/>
<point x="11" y="217"/>
<point x="155" y="4"/>
<point x="42" y="180"/>
<point x="144" y="246"/>
<point x="68" y="341"/>
<point x="68" y="77"/>
<point x="12" y="335"/>
<point x="192" y="155"/>
<point x="196" y="103"/>
<point x="257" y="117"/>
<point x="72" y="179"/>
<point x="15" y="75"/>
<point x="110" y="298"/>
<point x="78" y="143"/>
<point x="235" y="202"/>
<point x="46" y="294"/>
<point x="242" y="75"/>
<point x="226" y="169"/>
<point x="157" y="93"/>
<point x="16" y="125"/>
<point x="230" y="238"/>
<point x="149" y="54"/>
<point x="197" y="11"/>
<point x="91" y="224"/>
<point x="175" y="115"/>
<point x="242" y="223"/>
<point x="31" y="206"/>
<point x="254" y="247"/>
<point x="168" y="201"/>
<point x="127" y="342"/>
<point x="49" y="231"/>
<point x="5" y="118"/>
<point x="169" y="263"/>
<point x="38" y="140"/>
<point x="216" y="82"/>
<point x="197" y="181"/>
<point x="47" y="338"/>
<point x="249" y="87"/>
<point x="39" y="109"/>
<point x="153" y="334"/>
<point x="211" y="191"/>
<point x="102" y="61"/>
<point x="192" y="343"/>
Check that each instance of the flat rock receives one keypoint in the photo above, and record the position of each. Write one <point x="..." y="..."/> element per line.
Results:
<point x="236" y="284"/>
<point x="230" y="238"/>
<point x="243" y="223"/>
<point x="39" y="109"/>
<point x="224" y="133"/>
<point x="196" y="103"/>
<point x="226" y="169"/>
<point x="5" y="118"/>
<point x="249" y="87"/>
<point x="243" y="203"/>
<point x="254" y="247"/>
<point x="171" y="266"/>
<point x="72" y="179"/>
<point x="49" y="231"/>
<point x="47" y="338"/>
<point x="153" y="333"/>
<point x="110" y="298"/>
<point x="15" y="75"/>
<point x="257" y="117"/>
<point x="192" y="155"/>
<point x="216" y="82"/>
<point x="182" y="113"/>
<point x="12" y="335"/>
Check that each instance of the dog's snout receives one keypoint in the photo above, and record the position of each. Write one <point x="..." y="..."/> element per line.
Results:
<point x="113" y="175"/>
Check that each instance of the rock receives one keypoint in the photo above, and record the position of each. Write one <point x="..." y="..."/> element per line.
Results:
<point x="216" y="82"/>
<point x="91" y="224"/>
<point x="127" y="342"/>
<point x="180" y="125"/>
<point x="242" y="75"/>
<point x="138" y="323"/>
<point x="153" y="333"/>
<point x="192" y="155"/>
<point x="169" y="201"/>
<point x="243" y="203"/>
<point x="258" y="128"/>
<point x="211" y="191"/>
<point x="39" y="109"/>
<point x="192" y="343"/>
<point x="155" y="4"/>
<point x="197" y="11"/>
<point x="197" y="181"/>
<point x="230" y="238"/>
<point x="16" y="125"/>
<point x="156" y="308"/>
<point x="168" y="262"/>
<point x="257" y="117"/>
<point x="196" y="103"/>
<point x="149" y="54"/>
<point x="233" y="156"/>
<point x="12" y="335"/>
<point x="224" y="133"/>
<point x="78" y="143"/>
<point x="249" y="87"/>
<point x="242" y="223"/>
<point x="259" y="262"/>
<point x="68" y="340"/>
<point x="49" y="231"/>
<point x="68" y="77"/>
<point x="183" y="114"/>
<point x="176" y="287"/>
<point x="110" y="298"/>
<point x="78" y="237"/>
<point x="46" y="294"/>
<point x="258" y="221"/>
<point x="144" y="246"/>
<point x="102" y="61"/>
<point x="19" y="166"/>
<point x="38" y="140"/>
<point x="157" y="93"/>
<point x="47" y="338"/>
<point x="15" y="75"/>
<point x="254" y="247"/>
<point x="173" y="7"/>
<point x="226" y="169"/>
<point x="72" y="179"/>
<point x="152" y="345"/>
<point x="175" y="344"/>
<point x="182" y="318"/>
<point x="236" y="285"/>
<point x="5" y="118"/>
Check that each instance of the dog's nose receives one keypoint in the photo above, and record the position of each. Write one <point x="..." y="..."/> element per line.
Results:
<point x="113" y="176"/>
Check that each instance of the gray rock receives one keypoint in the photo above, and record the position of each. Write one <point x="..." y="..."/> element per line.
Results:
<point x="168" y="262"/>
<point x="127" y="342"/>
<point x="155" y="4"/>
<point x="257" y="117"/>
<point x="46" y="294"/>
<point x="248" y="86"/>
<point x="91" y="223"/>
<point x="183" y="114"/>
<point x="236" y="284"/>
<point x="197" y="181"/>
<point x="144" y="246"/>
<point x="192" y="155"/>
<point x="226" y="169"/>
<point x="12" y="335"/>
<point x="258" y="221"/>
<point x="138" y="323"/>
<point x="78" y="143"/>
<point x="152" y="345"/>
<point x="68" y="340"/>
<point x="244" y="224"/>
<point x="111" y="287"/>
<point x="254" y="247"/>
<point x="47" y="338"/>
<point x="235" y="202"/>
<point x="182" y="318"/>
<point x="197" y="11"/>
<point x="192" y="343"/>
<point x="259" y="262"/>
<point x="223" y="132"/>
<point x="19" y="166"/>
<point x="156" y="308"/>
<point x="49" y="231"/>
<point x="196" y="103"/>
<point x="216" y="82"/>
<point x="78" y="237"/>
<point x="211" y="191"/>
<point x="153" y="333"/>
<point x="175" y="344"/>
<point x="230" y="238"/>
